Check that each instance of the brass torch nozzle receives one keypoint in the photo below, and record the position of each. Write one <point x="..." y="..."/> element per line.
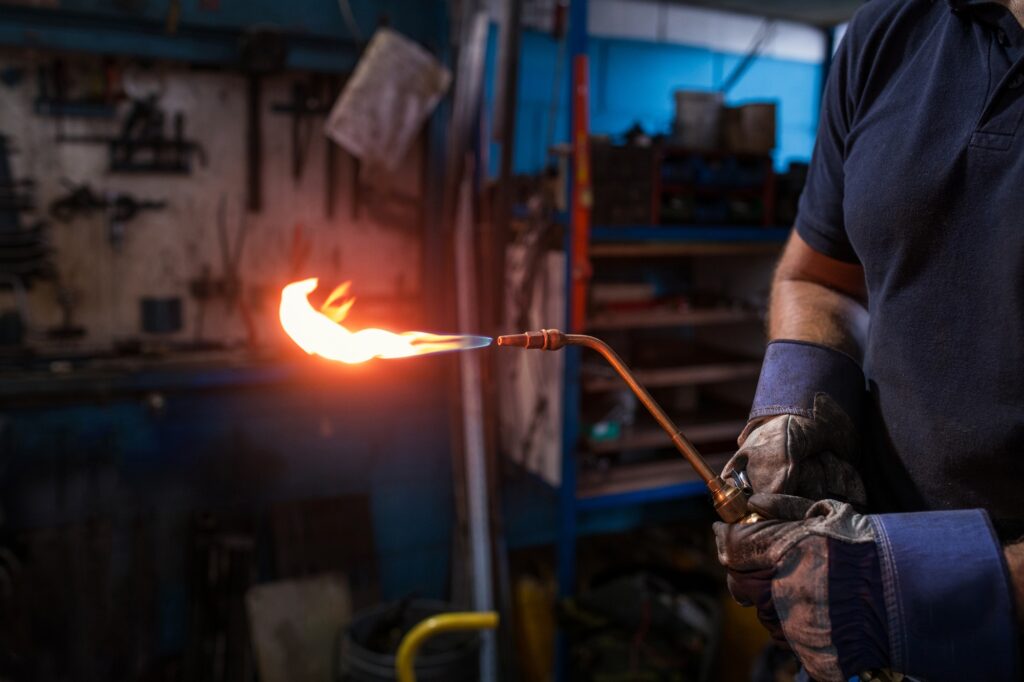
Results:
<point x="546" y="339"/>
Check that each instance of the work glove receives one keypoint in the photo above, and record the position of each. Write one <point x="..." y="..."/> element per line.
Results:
<point x="923" y="594"/>
<point x="803" y="434"/>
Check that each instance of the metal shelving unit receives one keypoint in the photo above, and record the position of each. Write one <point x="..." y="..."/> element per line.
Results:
<point x="638" y="484"/>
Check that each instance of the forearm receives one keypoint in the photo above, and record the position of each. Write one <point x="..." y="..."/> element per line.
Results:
<point x="1015" y="562"/>
<point x="806" y="311"/>
<point x="818" y="299"/>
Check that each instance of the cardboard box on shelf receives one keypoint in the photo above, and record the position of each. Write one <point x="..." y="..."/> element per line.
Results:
<point x="750" y="128"/>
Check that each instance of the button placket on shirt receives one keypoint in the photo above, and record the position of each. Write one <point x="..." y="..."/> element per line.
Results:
<point x="1005" y="108"/>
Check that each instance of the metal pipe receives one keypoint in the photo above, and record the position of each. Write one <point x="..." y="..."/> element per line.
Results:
<point x="730" y="501"/>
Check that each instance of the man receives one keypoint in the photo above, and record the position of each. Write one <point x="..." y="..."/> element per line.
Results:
<point x="893" y="390"/>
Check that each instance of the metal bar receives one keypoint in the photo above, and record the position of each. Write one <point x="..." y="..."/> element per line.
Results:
<point x="753" y="52"/>
<point x="681" y="442"/>
<point x="506" y="129"/>
<point x="475" y="450"/>
<point x="116" y="34"/>
<point x="576" y="43"/>
<point x="730" y="500"/>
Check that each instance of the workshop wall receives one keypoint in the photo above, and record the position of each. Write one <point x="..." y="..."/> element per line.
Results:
<point x="373" y="239"/>
<point x="118" y="459"/>
<point x="640" y="53"/>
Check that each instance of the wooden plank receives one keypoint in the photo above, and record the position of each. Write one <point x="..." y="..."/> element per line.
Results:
<point x="636" y="477"/>
<point x="680" y="376"/>
<point x="671" y="318"/>
<point x="642" y="439"/>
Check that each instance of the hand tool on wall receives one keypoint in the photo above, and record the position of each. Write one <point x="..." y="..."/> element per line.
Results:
<point x="121" y="208"/>
<point x="730" y="498"/>
<point x="307" y="101"/>
<point x="310" y="99"/>
<point x="142" y="146"/>
<point x="261" y="53"/>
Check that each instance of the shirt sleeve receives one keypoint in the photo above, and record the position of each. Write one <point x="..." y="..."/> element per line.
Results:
<point x="949" y="604"/>
<point x="820" y="220"/>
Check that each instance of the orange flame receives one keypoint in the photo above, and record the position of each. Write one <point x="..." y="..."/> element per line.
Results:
<point x="321" y="332"/>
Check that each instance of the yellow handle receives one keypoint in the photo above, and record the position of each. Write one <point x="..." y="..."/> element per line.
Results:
<point x="405" y="661"/>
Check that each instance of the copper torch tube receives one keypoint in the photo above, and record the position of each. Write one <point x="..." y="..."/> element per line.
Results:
<point x="730" y="502"/>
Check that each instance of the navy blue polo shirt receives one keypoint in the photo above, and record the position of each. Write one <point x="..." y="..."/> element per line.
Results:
<point x="918" y="175"/>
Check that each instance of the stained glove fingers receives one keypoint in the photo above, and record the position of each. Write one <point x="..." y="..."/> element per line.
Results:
<point x="780" y="507"/>
<point x="754" y="588"/>
<point x="751" y="546"/>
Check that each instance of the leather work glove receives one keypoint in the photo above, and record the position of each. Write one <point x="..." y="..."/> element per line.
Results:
<point x="924" y="594"/>
<point x="803" y="435"/>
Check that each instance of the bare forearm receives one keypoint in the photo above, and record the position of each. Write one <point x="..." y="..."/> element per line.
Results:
<point x="1015" y="562"/>
<point x="818" y="299"/>
<point x="806" y="311"/>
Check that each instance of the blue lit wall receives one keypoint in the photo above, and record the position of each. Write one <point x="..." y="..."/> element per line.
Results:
<point x="633" y="81"/>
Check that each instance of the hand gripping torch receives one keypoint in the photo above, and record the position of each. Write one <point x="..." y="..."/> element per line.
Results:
<point x="730" y="498"/>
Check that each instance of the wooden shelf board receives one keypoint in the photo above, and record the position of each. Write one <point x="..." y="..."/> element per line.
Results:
<point x="622" y="480"/>
<point x="647" y="319"/>
<point x="692" y="375"/>
<point x="642" y="439"/>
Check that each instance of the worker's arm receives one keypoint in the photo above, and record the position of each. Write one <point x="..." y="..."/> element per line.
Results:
<point x="1014" y="555"/>
<point x="818" y="299"/>
<point x="802" y="437"/>
<point x="850" y="592"/>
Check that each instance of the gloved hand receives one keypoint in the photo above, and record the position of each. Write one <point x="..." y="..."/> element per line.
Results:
<point x="813" y="574"/>
<point x="803" y="435"/>
<point x="923" y="594"/>
<point x="808" y="457"/>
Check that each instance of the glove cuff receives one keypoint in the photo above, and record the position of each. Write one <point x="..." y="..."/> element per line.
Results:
<point x="948" y="598"/>
<point x="794" y="372"/>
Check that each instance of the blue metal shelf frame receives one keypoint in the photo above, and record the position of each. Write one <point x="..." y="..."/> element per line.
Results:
<point x="569" y="506"/>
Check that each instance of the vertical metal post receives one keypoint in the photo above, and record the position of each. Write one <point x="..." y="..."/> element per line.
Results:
<point x="566" y="549"/>
<point x="474" y="442"/>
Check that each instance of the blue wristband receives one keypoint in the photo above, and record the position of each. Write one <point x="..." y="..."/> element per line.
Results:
<point x="794" y="372"/>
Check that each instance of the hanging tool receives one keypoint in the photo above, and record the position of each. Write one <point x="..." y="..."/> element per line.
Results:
<point x="121" y="208"/>
<point x="261" y="52"/>
<point x="307" y="101"/>
<point x="142" y="146"/>
<point x="310" y="99"/>
<point x="331" y="155"/>
<point x="730" y="499"/>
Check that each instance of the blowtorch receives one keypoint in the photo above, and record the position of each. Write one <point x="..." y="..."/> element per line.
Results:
<point x="730" y="498"/>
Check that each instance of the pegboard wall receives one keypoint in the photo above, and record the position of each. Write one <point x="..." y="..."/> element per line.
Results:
<point x="373" y="238"/>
